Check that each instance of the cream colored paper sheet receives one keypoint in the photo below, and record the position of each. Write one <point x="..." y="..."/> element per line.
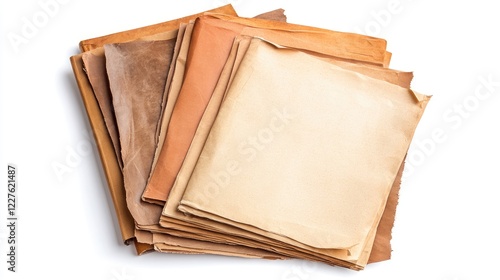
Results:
<point x="360" y="115"/>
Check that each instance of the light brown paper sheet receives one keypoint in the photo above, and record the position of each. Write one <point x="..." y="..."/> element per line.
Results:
<point x="238" y="195"/>
<point x="137" y="74"/>
<point x="210" y="52"/>
<point x="95" y="67"/>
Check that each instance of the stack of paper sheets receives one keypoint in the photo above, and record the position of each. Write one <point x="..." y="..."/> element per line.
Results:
<point x="250" y="137"/>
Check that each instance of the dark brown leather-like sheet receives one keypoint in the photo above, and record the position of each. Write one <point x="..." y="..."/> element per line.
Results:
<point x="137" y="74"/>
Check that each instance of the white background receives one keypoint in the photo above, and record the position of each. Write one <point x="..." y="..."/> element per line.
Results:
<point x="447" y="223"/>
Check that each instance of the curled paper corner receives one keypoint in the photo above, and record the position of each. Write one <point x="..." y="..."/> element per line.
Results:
<point x="420" y="98"/>
<point x="278" y="46"/>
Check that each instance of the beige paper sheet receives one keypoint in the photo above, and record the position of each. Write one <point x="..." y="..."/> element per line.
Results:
<point x="315" y="226"/>
<point x="173" y="219"/>
<point x="241" y="237"/>
<point x="387" y="251"/>
<point x="178" y="222"/>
